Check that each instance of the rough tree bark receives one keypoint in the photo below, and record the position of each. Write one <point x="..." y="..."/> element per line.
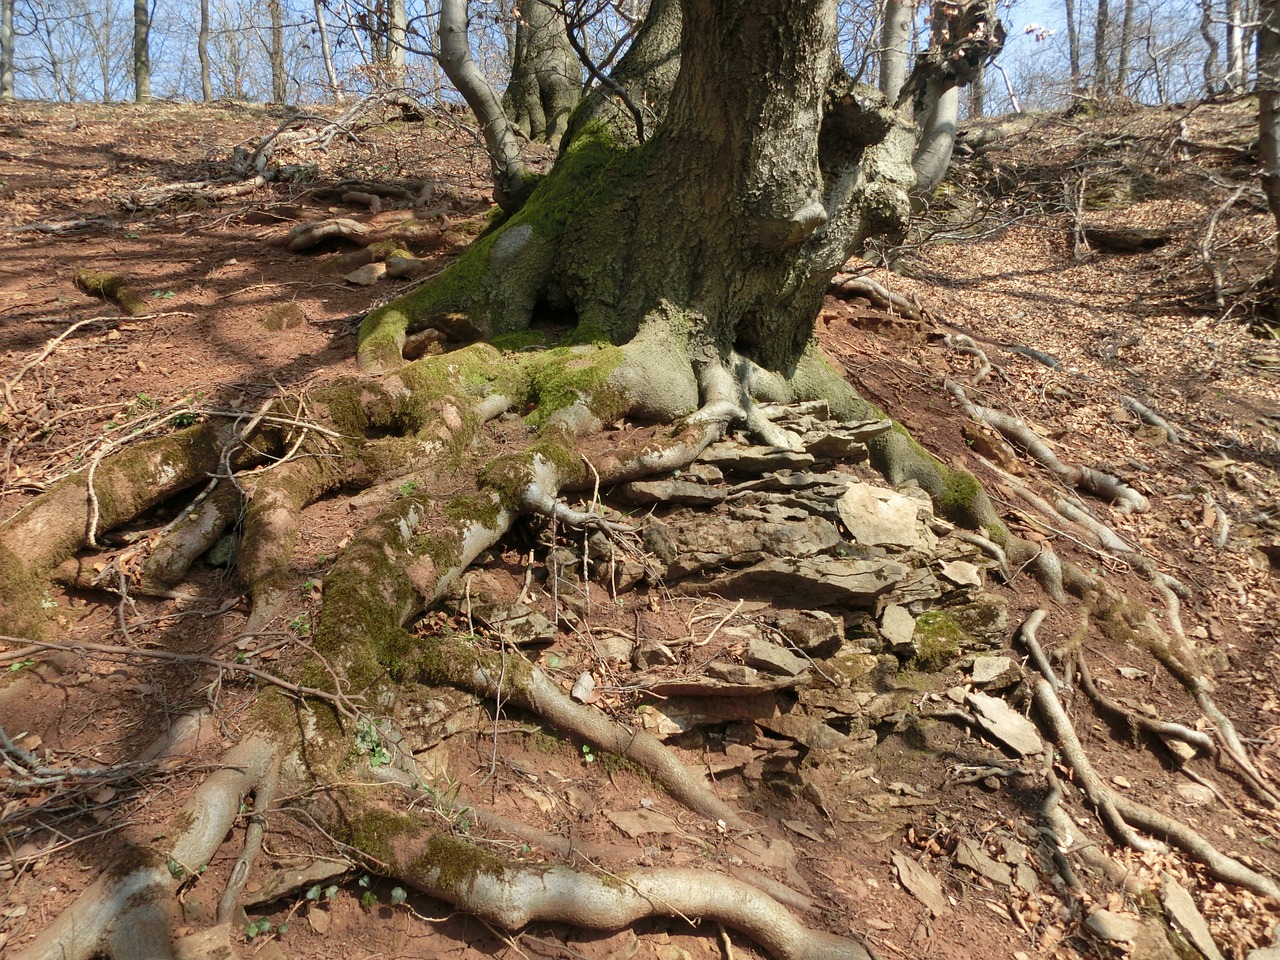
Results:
<point x="895" y="41"/>
<point x="1126" y="41"/>
<point x="6" y="49"/>
<point x="202" y="51"/>
<point x="326" y="50"/>
<point x="275" y="52"/>
<point x="1210" y="36"/>
<point x="545" y="74"/>
<point x="141" y="51"/>
<point x="1236" y="74"/>
<point x="1101" y="65"/>
<point x="1269" y="113"/>
<point x="1073" y="42"/>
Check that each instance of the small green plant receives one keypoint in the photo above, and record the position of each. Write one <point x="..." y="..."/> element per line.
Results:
<point x="146" y="402"/>
<point x="406" y="489"/>
<point x="369" y="742"/>
<point x="21" y="665"/>
<point x="301" y="625"/>
<point x="48" y="603"/>
<point x="587" y="755"/>
<point x="316" y="893"/>
<point x="163" y="294"/>
<point x="368" y="899"/>
<point x="258" y="927"/>
<point x="398" y="896"/>
<point x="308" y="587"/>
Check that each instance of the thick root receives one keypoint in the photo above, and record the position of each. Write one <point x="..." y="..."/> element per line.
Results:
<point x="124" y="913"/>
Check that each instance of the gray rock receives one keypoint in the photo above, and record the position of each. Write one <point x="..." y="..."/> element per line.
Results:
<point x="736" y="458"/>
<point x="987" y="670"/>
<point x="1115" y="927"/>
<point x="875" y="516"/>
<point x="518" y="624"/>
<point x="645" y="492"/>
<point x="652" y="653"/>
<point x="962" y="574"/>
<point x="1184" y="913"/>
<point x="614" y="647"/>
<point x="811" y="582"/>
<point x="731" y="672"/>
<point x="367" y="275"/>
<point x="809" y="731"/>
<point x="817" y="633"/>
<point x="985" y="622"/>
<point x="970" y="854"/>
<point x="1005" y="724"/>
<point x="898" y="628"/>
<point x="1196" y="795"/>
<point x="696" y="542"/>
<point x="772" y="658"/>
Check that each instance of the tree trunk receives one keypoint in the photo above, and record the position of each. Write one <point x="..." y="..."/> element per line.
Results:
<point x="1269" y="114"/>
<point x="1235" y="48"/>
<point x="202" y="49"/>
<point x="1210" y="36"/>
<point x="545" y="74"/>
<point x="6" y="49"/>
<point x="1101" y="68"/>
<point x="397" y="28"/>
<point x="1073" y="43"/>
<point x="141" y="51"/>
<point x="894" y="44"/>
<point x="1126" y="41"/>
<point x="279" y="80"/>
<point x="788" y="165"/>
<point x="978" y="93"/>
<point x="326" y="51"/>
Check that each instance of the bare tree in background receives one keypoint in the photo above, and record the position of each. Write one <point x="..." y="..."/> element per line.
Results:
<point x="141" y="51"/>
<point x="275" y="52"/>
<point x="1235" y="79"/>
<point x="1269" y="114"/>
<point x="1211" y="46"/>
<point x="1101" y="70"/>
<point x="1126" y="42"/>
<point x="326" y="50"/>
<point x="1073" y="42"/>
<point x="6" y="49"/>
<point x="895" y="42"/>
<point x="202" y="51"/>
<point x="546" y="79"/>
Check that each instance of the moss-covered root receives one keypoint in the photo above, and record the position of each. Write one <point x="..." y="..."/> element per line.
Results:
<point x="271" y="530"/>
<point x="125" y="912"/>
<point x="113" y="287"/>
<point x="513" y="896"/>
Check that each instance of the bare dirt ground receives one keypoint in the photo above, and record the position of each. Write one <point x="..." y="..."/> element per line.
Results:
<point x="231" y="318"/>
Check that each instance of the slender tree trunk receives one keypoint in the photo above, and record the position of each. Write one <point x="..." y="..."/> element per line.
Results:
<point x="141" y="51"/>
<point x="1269" y="114"/>
<point x="510" y="175"/>
<point x="1235" y="48"/>
<point x="1210" y="35"/>
<point x="1073" y="43"/>
<point x="895" y="42"/>
<point x="397" y="27"/>
<point x="202" y="49"/>
<point x="1126" y="41"/>
<point x="978" y="92"/>
<point x="6" y="49"/>
<point x="279" y="80"/>
<point x="545" y="74"/>
<point x="1101" y="69"/>
<point x="326" y="51"/>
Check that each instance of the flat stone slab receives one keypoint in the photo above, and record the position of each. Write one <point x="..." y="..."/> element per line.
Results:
<point x="1186" y="916"/>
<point x="877" y="517"/>
<point x="1005" y="724"/>
<point x="989" y="669"/>
<point x="644" y="492"/>
<point x="809" y="582"/>
<point x="772" y="658"/>
<point x="735" y="458"/>
<point x="1115" y="927"/>
<point x="898" y="627"/>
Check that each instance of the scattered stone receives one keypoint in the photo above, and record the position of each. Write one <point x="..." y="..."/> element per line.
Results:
<point x="652" y="653"/>
<point x="1025" y="877"/>
<point x="899" y="629"/>
<point x="401" y="268"/>
<point x="987" y="670"/>
<point x="772" y="658"/>
<point x="985" y="622"/>
<point x="518" y="624"/>
<point x="211" y="944"/>
<point x="1122" y="782"/>
<point x="367" y="275"/>
<point x="970" y="854"/>
<point x="644" y="492"/>
<point x="962" y="574"/>
<point x="921" y="884"/>
<point x="1005" y="724"/>
<point x="613" y="647"/>
<point x="815" y="582"/>
<point x="816" y="632"/>
<point x="731" y="672"/>
<point x="1182" y="910"/>
<point x="736" y="458"/>
<point x="875" y="516"/>
<point x="806" y="730"/>
<point x="1115" y="927"/>
<point x="583" y="688"/>
<point x="1180" y="749"/>
<point x="636" y="823"/>
<point x="223" y="553"/>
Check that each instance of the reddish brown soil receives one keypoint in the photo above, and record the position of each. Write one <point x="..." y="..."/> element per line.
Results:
<point x="1122" y="325"/>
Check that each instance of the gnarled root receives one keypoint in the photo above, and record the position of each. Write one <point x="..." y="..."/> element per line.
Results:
<point x="513" y="896"/>
<point x="1120" y="813"/>
<point x="124" y="913"/>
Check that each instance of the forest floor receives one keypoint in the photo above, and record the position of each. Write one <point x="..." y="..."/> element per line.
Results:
<point x="230" y="317"/>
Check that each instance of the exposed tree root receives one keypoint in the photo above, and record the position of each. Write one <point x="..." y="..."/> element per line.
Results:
<point x="1140" y="721"/>
<point x="1095" y="481"/>
<point x="1120" y="813"/>
<point x="124" y="913"/>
